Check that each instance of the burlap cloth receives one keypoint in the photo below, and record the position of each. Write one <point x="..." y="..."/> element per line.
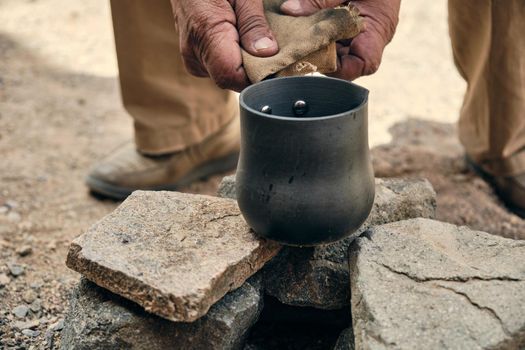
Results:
<point x="306" y="44"/>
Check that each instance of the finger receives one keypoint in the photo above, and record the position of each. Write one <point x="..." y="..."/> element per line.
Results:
<point x="307" y="7"/>
<point x="342" y="50"/>
<point x="254" y="31"/>
<point x="222" y="58"/>
<point x="192" y="64"/>
<point x="349" y="67"/>
<point x="363" y="56"/>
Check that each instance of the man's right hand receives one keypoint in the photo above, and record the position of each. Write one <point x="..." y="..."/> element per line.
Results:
<point x="212" y="33"/>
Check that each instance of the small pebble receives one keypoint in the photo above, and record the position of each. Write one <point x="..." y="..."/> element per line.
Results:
<point x="57" y="326"/>
<point x="4" y="280"/>
<point x="11" y="204"/>
<point x="51" y="245"/>
<point x="50" y="340"/>
<point x="21" y="325"/>
<point x="20" y="311"/>
<point x="30" y="333"/>
<point x="36" y="285"/>
<point x="29" y="296"/>
<point x="36" y="305"/>
<point x="3" y="209"/>
<point x="13" y="216"/>
<point x="24" y="250"/>
<point x="15" y="269"/>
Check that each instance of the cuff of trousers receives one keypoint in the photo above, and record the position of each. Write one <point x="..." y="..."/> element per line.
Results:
<point x="512" y="166"/>
<point x="159" y="141"/>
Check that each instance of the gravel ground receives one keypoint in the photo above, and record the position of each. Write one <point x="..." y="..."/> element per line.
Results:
<point x="60" y="111"/>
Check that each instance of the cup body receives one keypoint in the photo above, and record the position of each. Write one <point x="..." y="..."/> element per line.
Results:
<point x="304" y="180"/>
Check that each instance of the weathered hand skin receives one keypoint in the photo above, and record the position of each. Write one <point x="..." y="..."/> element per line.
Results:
<point x="212" y="33"/>
<point x="362" y="54"/>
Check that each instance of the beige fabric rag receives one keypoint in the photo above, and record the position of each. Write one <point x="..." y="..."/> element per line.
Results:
<point x="306" y="44"/>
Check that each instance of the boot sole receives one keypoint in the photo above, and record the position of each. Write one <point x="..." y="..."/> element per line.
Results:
<point x="490" y="180"/>
<point x="219" y="165"/>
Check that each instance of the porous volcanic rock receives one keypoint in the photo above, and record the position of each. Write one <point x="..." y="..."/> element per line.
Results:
<point x="99" y="319"/>
<point x="425" y="284"/>
<point x="174" y="254"/>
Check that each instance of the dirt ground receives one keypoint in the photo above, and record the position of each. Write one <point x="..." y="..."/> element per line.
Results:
<point x="60" y="111"/>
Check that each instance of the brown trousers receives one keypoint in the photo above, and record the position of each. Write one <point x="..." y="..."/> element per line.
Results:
<point x="488" y="42"/>
<point x="173" y="110"/>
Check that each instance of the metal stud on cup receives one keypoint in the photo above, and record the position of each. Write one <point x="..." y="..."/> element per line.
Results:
<point x="266" y="109"/>
<point x="300" y="108"/>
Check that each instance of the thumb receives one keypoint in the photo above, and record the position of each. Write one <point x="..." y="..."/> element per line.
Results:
<point x="254" y="31"/>
<point x="307" y="7"/>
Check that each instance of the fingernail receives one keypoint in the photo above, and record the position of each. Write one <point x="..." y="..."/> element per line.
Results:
<point x="292" y="6"/>
<point x="263" y="44"/>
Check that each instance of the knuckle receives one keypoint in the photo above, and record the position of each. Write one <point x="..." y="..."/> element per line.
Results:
<point x="222" y="81"/>
<point x="371" y="67"/>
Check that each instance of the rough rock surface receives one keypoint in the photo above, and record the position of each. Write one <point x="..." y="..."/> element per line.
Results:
<point x="175" y="254"/>
<point x="227" y="187"/>
<point x="423" y="149"/>
<point x="98" y="319"/>
<point x="424" y="284"/>
<point x="346" y="340"/>
<point x="319" y="277"/>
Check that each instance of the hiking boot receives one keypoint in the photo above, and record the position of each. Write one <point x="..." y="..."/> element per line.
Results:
<point x="127" y="170"/>
<point x="510" y="189"/>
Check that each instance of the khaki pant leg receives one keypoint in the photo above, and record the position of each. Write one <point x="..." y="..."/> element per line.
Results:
<point x="488" y="42"/>
<point x="171" y="109"/>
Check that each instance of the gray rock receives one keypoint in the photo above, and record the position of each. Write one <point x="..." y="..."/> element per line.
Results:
<point x="21" y="325"/>
<point x="424" y="284"/>
<point x="24" y="250"/>
<point x="29" y="296"/>
<point x="175" y="254"/>
<point x="11" y="204"/>
<point x="16" y="269"/>
<point x="20" y="311"/>
<point x="36" y="305"/>
<point x="30" y="333"/>
<point x="57" y="326"/>
<point x="227" y="187"/>
<point x="319" y="276"/>
<point x="345" y="340"/>
<point x="13" y="216"/>
<point x="99" y="319"/>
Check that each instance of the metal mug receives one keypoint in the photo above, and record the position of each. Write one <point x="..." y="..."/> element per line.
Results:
<point x="304" y="175"/>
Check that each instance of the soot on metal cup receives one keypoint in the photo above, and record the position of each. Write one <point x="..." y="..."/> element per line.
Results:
<point x="304" y="175"/>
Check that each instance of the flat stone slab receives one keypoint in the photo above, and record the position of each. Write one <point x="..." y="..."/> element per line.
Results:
<point x="174" y="254"/>
<point x="424" y="284"/>
<point x="319" y="277"/>
<point x="99" y="319"/>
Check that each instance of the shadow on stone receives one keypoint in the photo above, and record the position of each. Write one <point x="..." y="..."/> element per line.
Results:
<point x="287" y="327"/>
<point x="98" y="319"/>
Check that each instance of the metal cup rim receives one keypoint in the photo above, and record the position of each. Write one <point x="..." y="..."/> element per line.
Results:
<point x="254" y="111"/>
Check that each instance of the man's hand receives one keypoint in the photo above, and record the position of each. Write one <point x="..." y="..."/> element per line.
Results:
<point x="212" y="33"/>
<point x="361" y="55"/>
